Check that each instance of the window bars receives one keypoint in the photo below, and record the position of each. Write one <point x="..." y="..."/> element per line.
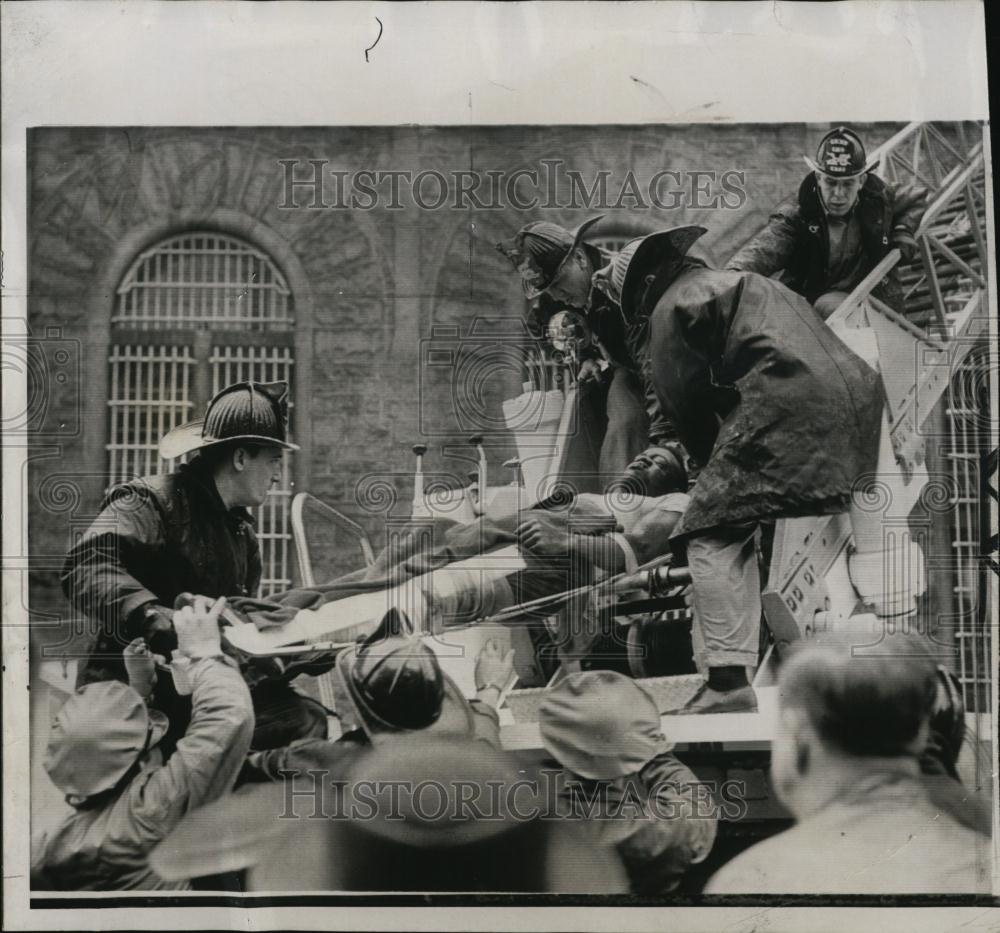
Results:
<point x="150" y="394"/>
<point x="203" y="278"/>
<point x="194" y="313"/>
<point x="264" y="364"/>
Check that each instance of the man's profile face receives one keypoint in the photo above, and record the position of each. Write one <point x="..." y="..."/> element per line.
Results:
<point x="260" y="471"/>
<point x="839" y="194"/>
<point x="571" y="286"/>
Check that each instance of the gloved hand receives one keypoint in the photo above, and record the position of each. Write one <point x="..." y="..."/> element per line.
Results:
<point x="904" y="241"/>
<point x="140" y="665"/>
<point x="153" y="623"/>
<point x="197" y="625"/>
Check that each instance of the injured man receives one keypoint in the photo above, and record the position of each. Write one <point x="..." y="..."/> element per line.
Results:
<point x="524" y="567"/>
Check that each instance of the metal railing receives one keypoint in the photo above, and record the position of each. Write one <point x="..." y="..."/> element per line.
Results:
<point x="952" y="233"/>
<point x="340" y="521"/>
<point x="945" y="306"/>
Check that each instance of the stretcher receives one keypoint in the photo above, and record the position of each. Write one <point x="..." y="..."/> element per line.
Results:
<point x="431" y="602"/>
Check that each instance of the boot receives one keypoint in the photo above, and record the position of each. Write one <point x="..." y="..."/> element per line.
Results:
<point x="707" y="700"/>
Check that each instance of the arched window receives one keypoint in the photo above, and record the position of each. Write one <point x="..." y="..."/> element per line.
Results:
<point x="194" y="313"/>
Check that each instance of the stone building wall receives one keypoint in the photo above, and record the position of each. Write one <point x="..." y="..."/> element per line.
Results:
<point x="368" y="285"/>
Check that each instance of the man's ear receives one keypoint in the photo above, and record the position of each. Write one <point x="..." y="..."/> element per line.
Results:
<point x="797" y="721"/>
<point x="794" y="724"/>
<point x="239" y="459"/>
<point x="862" y="178"/>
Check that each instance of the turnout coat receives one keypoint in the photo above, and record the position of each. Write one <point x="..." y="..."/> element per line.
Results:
<point x="782" y="415"/>
<point x="796" y="240"/>
<point x="156" y="538"/>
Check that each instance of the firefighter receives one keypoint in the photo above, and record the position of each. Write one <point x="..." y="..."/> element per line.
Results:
<point x="556" y="269"/>
<point x="602" y="731"/>
<point x="396" y="688"/>
<point x="778" y="414"/>
<point x="189" y="531"/>
<point x="844" y="220"/>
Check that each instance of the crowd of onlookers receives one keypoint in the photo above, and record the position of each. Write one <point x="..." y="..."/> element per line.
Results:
<point x="421" y="795"/>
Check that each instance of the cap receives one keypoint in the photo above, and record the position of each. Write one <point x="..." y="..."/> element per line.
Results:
<point x="245" y="411"/>
<point x="600" y="725"/>
<point x="99" y="733"/>
<point x="539" y="250"/>
<point x="841" y="154"/>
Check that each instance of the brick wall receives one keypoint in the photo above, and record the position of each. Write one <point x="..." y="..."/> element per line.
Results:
<point x="368" y="285"/>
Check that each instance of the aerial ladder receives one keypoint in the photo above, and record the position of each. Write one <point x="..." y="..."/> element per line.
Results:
<point x="866" y="565"/>
<point x="865" y="569"/>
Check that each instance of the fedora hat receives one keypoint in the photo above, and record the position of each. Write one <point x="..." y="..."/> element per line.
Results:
<point x="600" y="725"/>
<point x="245" y="828"/>
<point x="400" y="820"/>
<point x="255" y="412"/>
<point x="99" y="733"/>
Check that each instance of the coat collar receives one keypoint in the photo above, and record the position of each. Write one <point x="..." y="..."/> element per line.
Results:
<point x="599" y="257"/>
<point x="647" y="301"/>
<point x="200" y="477"/>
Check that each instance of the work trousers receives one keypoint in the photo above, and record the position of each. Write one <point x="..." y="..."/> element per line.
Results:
<point x="725" y="589"/>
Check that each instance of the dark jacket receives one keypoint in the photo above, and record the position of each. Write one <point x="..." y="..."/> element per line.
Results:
<point x="781" y="413"/>
<point x="335" y="758"/>
<point x="156" y="538"/>
<point x="796" y="240"/>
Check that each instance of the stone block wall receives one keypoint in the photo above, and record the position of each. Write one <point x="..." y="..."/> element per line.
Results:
<point x="370" y="287"/>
